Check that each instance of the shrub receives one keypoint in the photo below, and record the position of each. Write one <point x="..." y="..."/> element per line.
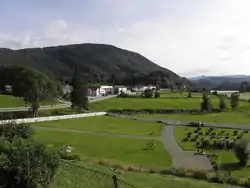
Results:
<point x="205" y="144"/>
<point x="148" y="93"/>
<point x="189" y="95"/>
<point x="157" y="94"/>
<point x="12" y="129"/>
<point x="193" y="139"/>
<point x="200" y="174"/>
<point x="185" y="139"/>
<point x="20" y="154"/>
<point x="231" y="180"/>
<point x="216" y="178"/>
<point x="189" y="134"/>
<point x="235" y="133"/>
<point x="241" y="151"/>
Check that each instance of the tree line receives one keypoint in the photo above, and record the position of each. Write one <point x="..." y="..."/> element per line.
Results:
<point x="35" y="87"/>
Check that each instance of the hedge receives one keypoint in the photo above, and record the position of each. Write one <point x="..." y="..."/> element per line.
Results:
<point x="160" y="111"/>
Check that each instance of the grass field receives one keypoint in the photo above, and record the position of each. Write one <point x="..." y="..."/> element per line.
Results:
<point x="94" y="176"/>
<point x="8" y="101"/>
<point x="120" y="150"/>
<point x="227" y="158"/>
<point x="153" y="103"/>
<point x="107" y="124"/>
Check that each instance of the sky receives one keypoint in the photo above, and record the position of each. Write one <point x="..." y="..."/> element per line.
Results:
<point x="189" y="37"/>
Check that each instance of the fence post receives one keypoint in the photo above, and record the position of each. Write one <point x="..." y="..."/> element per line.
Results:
<point x="115" y="181"/>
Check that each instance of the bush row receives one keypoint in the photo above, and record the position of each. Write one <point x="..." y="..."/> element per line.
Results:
<point x="213" y="177"/>
<point x="15" y="115"/>
<point x="160" y="111"/>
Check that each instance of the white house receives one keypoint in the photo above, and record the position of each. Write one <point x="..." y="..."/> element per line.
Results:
<point x="121" y="89"/>
<point x="100" y="90"/>
<point x="67" y="89"/>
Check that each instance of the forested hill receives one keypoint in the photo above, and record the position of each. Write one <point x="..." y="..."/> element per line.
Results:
<point x="103" y="63"/>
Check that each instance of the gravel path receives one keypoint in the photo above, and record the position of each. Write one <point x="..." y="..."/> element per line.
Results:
<point x="98" y="133"/>
<point x="181" y="158"/>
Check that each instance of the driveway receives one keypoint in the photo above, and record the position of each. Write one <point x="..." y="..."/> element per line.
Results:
<point x="181" y="158"/>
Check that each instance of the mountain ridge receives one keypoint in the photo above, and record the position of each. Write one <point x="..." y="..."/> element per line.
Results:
<point x="100" y="61"/>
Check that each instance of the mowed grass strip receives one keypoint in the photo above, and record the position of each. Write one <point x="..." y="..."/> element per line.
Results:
<point x="143" y="103"/>
<point x="78" y="177"/>
<point x="119" y="150"/>
<point x="107" y="124"/>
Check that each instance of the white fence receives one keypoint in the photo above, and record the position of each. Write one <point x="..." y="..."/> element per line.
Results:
<point x="54" y="118"/>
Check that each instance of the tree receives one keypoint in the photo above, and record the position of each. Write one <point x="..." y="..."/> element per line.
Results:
<point x="30" y="84"/>
<point x="241" y="151"/>
<point x="206" y="104"/>
<point x="222" y="103"/>
<point x="148" y="93"/>
<point x="79" y="98"/>
<point x="234" y="99"/>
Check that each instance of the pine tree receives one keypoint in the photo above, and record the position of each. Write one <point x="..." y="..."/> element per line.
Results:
<point x="79" y="94"/>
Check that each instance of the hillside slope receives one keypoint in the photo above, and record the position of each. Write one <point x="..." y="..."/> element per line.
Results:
<point x="99" y="60"/>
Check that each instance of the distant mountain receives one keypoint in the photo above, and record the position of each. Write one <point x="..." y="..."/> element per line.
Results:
<point x="228" y="82"/>
<point x="100" y="61"/>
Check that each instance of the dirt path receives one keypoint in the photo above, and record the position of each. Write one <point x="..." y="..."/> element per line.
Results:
<point x="98" y="133"/>
<point x="181" y="158"/>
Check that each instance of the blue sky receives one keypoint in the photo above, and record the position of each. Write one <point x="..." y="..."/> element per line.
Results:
<point x="190" y="37"/>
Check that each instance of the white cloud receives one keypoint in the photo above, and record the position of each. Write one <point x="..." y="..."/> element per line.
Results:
<point x="211" y="38"/>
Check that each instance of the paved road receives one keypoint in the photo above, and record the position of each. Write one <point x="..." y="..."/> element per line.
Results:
<point x="64" y="105"/>
<point x="97" y="133"/>
<point x="179" y="123"/>
<point x="181" y="158"/>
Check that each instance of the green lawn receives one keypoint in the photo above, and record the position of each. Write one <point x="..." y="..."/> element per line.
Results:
<point x="8" y="101"/>
<point x="119" y="150"/>
<point x="227" y="158"/>
<point x="107" y="124"/>
<point x="95" y="176"/>
<point x="11" y="101"/>
<point x="142" y="103"/>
